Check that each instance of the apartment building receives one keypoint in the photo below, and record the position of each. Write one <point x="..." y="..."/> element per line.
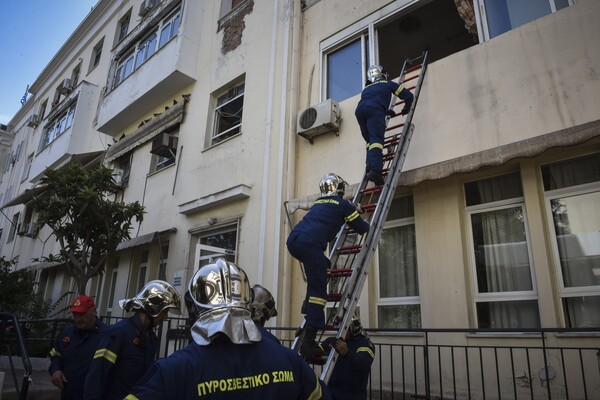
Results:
<point x="198" y="104"/>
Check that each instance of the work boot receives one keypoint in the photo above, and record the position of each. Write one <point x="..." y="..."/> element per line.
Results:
<point x="310" y="348"/>
<point x="375" y="177"/>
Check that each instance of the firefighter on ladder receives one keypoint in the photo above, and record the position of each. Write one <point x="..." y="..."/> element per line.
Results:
<point x="308" y="241"/>
<point x="371" y="113"/>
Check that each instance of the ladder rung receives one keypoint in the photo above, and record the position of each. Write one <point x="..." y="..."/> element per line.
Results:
<point x="411" y="78"/>
<point x="414" y="67"/>
<point x="368" y="207"/>
<point x="336" y="272"/>
<point x="350" y="249"/>
<point x="389" y="128"/>
<point x="334" y="297"/>
<point x="371" y="190"/>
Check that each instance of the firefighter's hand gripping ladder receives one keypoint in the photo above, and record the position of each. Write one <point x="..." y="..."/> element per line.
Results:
<point x="352" y="253"/>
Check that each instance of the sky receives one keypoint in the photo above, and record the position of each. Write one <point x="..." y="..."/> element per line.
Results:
<point x="31" y="32"/>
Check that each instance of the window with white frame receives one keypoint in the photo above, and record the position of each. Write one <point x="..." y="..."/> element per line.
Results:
<point x="229" y="107"/>
<point x="216" y="243"/>
<point x="505" y="292"/>
<point x="572" y="192"/>
<point x="58" y="126"/>
<point x="15" y="226"/>
<point x="398" y="303"/>
<point x="142" y="269"/>
<point x="228" y="5"/>
<point x="163" y="257"/>
<point x="389" y="41"/>
<point x="123" y="26"/>
<point x="136" y="54"/>
<point x="500" y="16"/>
<point x="112" y="289"/>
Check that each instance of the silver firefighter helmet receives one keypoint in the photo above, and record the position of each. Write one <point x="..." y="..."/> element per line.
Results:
<point x="332" y="185"/>
<point x="263" y="304"/>
<point x="222" y="295"/>
<point x="375" y="73"/>
<point x="155" y="297"/>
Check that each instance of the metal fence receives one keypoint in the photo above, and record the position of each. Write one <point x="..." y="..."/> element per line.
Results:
<point x="468" y="364"/>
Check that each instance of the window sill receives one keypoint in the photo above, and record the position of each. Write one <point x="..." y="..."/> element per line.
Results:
<point x="222" y="141"/>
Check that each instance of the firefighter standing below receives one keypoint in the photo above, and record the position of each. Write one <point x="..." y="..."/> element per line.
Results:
<point x="351" y="372"/>
<point x="371" y="113"/>
<point x="228" y="359"/>
<point x="130" y="346"/>
<point x="308" y="241"/>
<point x="74" y="348"/>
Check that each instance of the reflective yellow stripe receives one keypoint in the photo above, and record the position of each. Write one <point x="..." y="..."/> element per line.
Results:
<point x="367" y="350"/>
<point x="131" y="397"/>
<point x="55" y="353"/>
<point x="376" y="146"/>
<point x="317" y="300"/>
<point x="397" y="92"/>
<point x="105" y="353"/>
<point x="352" y="216"/>
<point x="316" y="394"/>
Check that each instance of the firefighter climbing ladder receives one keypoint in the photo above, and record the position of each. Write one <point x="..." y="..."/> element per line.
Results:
<point x="352" y="252"/>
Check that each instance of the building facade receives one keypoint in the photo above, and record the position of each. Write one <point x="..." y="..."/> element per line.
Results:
<point x="196" y="104"/>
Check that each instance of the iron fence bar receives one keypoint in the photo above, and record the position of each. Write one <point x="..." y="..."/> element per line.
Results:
<point x="545" y="355"/>
<point x="426" y="366"/>
<point x="497" y="373"/>
<point x="468" y="372"/>
<point x="562" y="360"/>
<point x="512" y="371"/>
<point x="440" y="371"/>
<point x="529" y="373"/>
<point x="583" y="375"/>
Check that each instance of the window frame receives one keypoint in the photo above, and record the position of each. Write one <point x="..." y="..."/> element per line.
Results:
<point x="58" y="125"/>
<point x="398" y="300"/>
<point x="564" y="291"/>
<point x="505" y="296"/>
<point x="220" y="137"/>
<point x="482" y="22"/>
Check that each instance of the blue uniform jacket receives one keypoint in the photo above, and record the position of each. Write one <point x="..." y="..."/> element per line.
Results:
<point x="223" y="370"/>
<point x="327" y="216"/>
<point x="379" y="94"/>
<point x="123" y="356"/>
<point x="72" y="354"/>
<point x="350" y="375"/>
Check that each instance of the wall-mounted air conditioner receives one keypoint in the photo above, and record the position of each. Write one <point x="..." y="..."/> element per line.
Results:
<point x="66" y="87"/>
<point x="164" y="145"/>
<point x="33" y="121"/>
<point x="318" y="119"/>
<point x="146" y="7"/>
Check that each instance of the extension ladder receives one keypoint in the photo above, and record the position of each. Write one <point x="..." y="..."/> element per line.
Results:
<point x="351" y="253"/>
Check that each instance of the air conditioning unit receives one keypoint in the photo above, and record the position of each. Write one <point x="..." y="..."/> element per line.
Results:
<point x="164" y="145"/>
<point x="33" y="121"/>
<point x="31" y="229"/>
<point x="146" y="7"/>
<point x="318" y="119"/>
<point x="66" y="87"/>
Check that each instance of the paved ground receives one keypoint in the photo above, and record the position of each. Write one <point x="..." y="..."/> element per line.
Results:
<point x="40" y="387"/>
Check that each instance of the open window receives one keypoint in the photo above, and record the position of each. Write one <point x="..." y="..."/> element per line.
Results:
<point x="228" y="111"/>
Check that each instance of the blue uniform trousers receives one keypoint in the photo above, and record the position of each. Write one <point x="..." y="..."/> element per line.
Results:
<point x="371" y="120"/>
<point x="310" y="252"/>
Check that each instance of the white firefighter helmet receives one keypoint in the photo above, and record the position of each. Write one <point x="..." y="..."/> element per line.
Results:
<point x="155" y="297"/>
<point x="375" y="73"/>
<point x="263" y="304"/>
<point x="332" y="185"/>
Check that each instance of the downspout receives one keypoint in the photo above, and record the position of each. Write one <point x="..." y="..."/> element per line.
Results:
<point x="267" y="147"/>
<point x="286" y="151"/>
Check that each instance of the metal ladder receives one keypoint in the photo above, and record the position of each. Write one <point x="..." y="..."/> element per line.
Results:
<point x="351" y="253"/>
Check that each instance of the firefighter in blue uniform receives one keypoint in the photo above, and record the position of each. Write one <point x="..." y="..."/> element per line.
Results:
<point x="263" y="308"/>
<point x="350" y="375"/>
<point x="229" y="358"/>
<point x="130" y="346"/>
<point x="307" y="243"/>
<point x="371" y="113"/>
<point x="74" y="348"/>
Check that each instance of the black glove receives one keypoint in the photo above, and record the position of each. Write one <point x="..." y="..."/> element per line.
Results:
<point x="391" y="113"/>
<point x="404" y="111"/>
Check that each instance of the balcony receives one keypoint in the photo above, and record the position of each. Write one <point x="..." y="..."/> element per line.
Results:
<point x="168" y="70"/>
